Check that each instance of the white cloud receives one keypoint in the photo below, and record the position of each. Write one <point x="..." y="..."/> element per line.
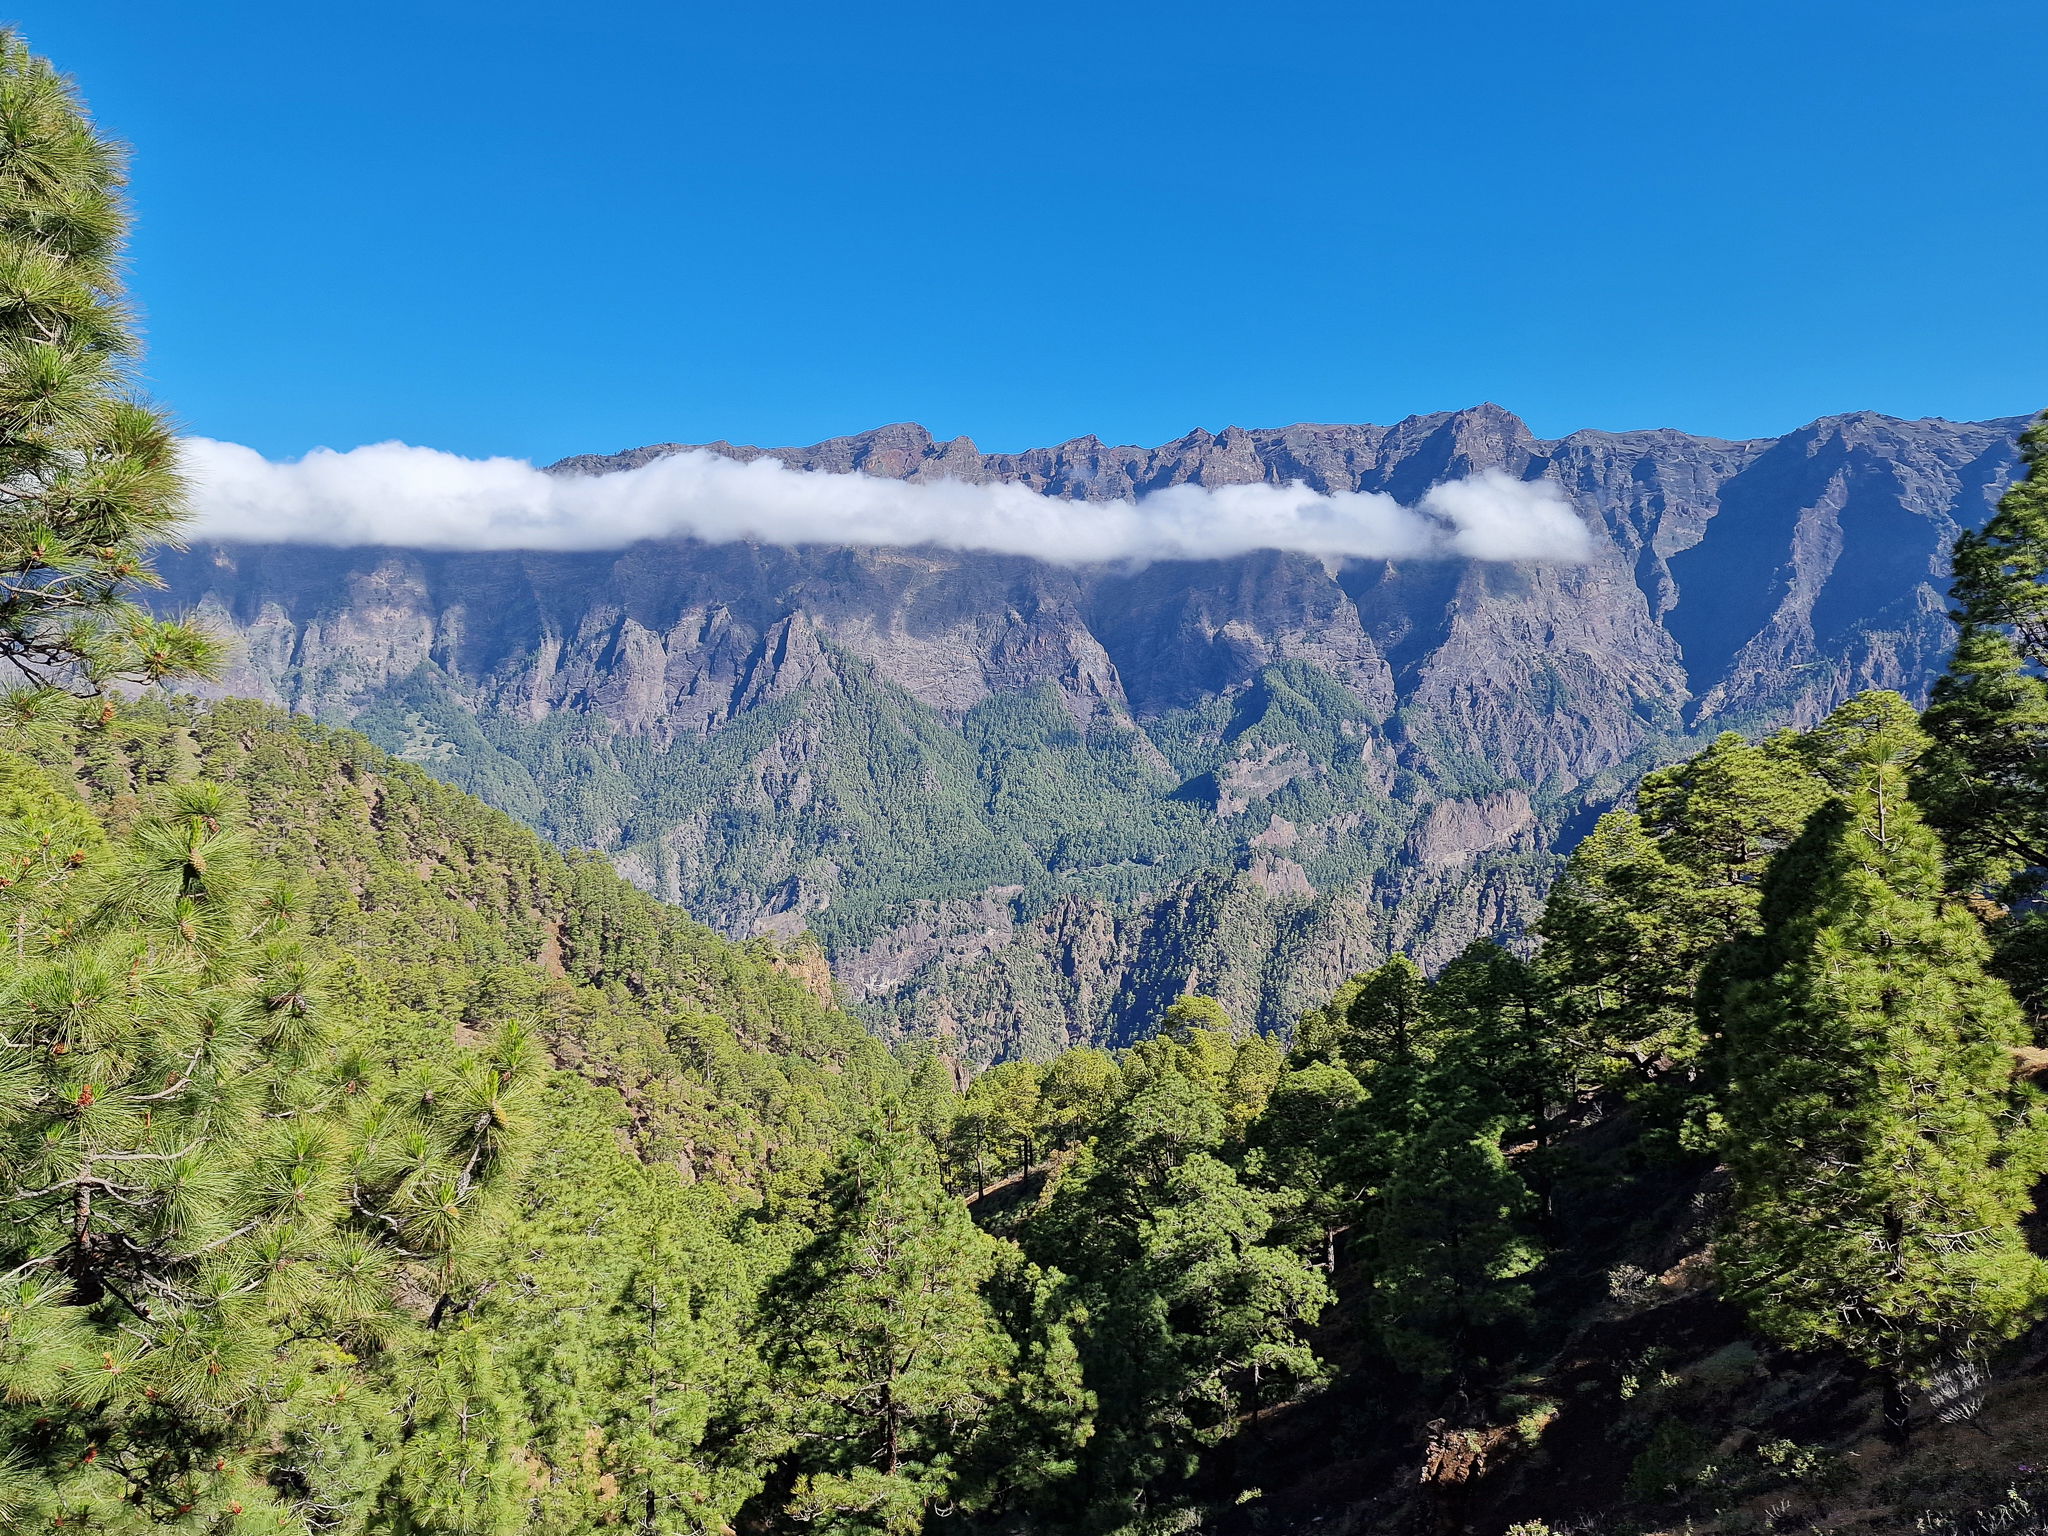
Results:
<point x="1494" y="516"/>
<point x="392" y="493"/>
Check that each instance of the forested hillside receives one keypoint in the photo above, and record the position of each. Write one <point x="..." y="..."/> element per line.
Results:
<point x="494" y="1195"/>
<point x="402" y="1232"/>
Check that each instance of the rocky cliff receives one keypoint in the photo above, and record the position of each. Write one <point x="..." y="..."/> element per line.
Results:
<point x="1023" y="803"/>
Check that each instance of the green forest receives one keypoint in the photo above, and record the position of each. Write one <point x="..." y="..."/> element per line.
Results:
<point x="367" y="1164"/>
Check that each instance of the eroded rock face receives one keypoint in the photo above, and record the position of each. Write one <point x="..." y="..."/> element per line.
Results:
<point x="1455" y="831"/>
<point x="1427" y="733"/>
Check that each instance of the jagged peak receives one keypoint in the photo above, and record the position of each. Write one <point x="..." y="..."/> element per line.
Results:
<point x="888" y="432"/>
<point x="1487" y="419"/>
<point x="1883" y="421"/>
<point x="1648" y="435"/>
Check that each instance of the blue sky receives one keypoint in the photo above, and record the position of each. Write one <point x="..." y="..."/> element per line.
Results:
<point x="499" y="226"/>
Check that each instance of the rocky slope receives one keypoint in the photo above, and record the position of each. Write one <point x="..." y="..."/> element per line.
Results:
<point x="1024" y="803"/>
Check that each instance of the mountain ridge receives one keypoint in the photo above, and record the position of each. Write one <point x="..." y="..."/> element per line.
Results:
<point x="948" y="454"/>
<point x="1023" y="802"/>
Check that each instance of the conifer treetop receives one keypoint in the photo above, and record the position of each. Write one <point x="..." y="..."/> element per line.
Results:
<point x="89" y="476"/>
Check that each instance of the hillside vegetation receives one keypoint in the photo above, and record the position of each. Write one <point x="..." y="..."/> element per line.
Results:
<point x="716" y="1249"/>
<point x="512" y="1089"/>
<point x="368" y="1165"/>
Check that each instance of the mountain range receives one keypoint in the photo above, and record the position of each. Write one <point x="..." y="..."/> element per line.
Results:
<point x="1025" y="805"/>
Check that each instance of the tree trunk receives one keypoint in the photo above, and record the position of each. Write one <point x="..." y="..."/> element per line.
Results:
<point x="1897" y="1410"/>
<point x="889" y="1423"/>
<point x="85" y="1280"/>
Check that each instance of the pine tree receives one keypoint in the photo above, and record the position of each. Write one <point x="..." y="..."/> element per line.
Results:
<point x="169" y="1168"/>
<point x="1449" y="1238"/>
<point x="1381" y="1033"/>
<point x="1003" y="1102"/>
<point x="931" y="1097"/>
<point x="1653" y="895"/>
<point x="1195" y="1012"/>
<point x="1228" y="1303"/>
<point x="1392" y="1037"/>
<point x="1304" y="1143"/>
<point x="1493" y="1011"/>
<point x="1882" y="1157"/>
<point x="455" y="1475"/>
<point x="1169" y="1119"/>
<point x="91" y="471"/>
<point x="1984" y="779"/>
<point x="47" y="841"/>
<point x="1193" y="1310"/>
<point x="888" y="1358"/>
<point x="1379" y="1018"/>
<point x="1028" y="1456"/>
<point x="1077" y="1091"/>
<point x="1450" y="1228"/>
<point x="188" y="1238"/>
<point x="2001" y="570"/>
<point x="1622" y="961"/>
<point x="1193" y="1317"/>
<point x="1254" y="1073"/>
<point x="607" y="1371"/>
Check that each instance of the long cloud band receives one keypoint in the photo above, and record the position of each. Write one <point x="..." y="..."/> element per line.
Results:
<point x="396" y="494"/>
